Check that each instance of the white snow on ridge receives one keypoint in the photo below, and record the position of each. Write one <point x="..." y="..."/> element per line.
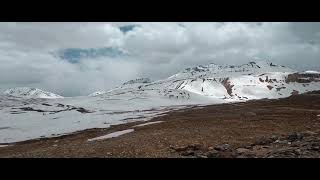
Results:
<point x="27" y="92"/>
<point x="312" y="72"/>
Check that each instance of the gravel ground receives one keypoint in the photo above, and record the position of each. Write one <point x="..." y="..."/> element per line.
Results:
<point x="283" y="128"/>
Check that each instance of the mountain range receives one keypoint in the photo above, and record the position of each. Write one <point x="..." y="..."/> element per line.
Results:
<point x="30" y="113"/>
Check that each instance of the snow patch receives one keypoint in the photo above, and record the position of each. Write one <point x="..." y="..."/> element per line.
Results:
<point x="112" y="135"/>
<point x="145" y="124"/>
<point x="3" y="145"/>
<point x="312" y="72"/>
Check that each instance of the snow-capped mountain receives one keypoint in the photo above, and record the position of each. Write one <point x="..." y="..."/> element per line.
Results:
<point x="254" y="80"/>
<point x="44" y="114"/>
<point x="138" y="81"/>
<point x="27" y="92"/>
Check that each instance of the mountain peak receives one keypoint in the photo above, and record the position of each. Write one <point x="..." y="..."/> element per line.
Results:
<point x="29" y="92"/>
<point x="254" y="66"/>
<point x="139" y="80"/>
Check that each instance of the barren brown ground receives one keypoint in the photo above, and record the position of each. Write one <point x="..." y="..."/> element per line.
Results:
<point x="238" y="125"/>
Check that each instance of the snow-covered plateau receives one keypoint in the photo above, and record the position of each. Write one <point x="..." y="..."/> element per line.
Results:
<point x="31" y="113"/>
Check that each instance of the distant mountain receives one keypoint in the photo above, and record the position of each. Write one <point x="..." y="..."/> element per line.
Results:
<point x="28" y="92"/>
<point x="140" y="80"/>
<point x="132" y="84"/>
<point x="254" y="80"/>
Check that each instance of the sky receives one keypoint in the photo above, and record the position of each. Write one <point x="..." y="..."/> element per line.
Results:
<point x="78" y="58"/>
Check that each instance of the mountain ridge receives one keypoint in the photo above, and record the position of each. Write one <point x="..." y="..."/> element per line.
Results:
<point x="254" y="80"/>
<point x="29" y="92"/>
<point x="142" y="100"/>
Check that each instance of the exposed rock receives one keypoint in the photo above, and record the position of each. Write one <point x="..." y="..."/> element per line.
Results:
<point x="31" y="109"/>
<point x="188" y="153"/>
<point x="140" y="80"/>
<point x="242" y="150"/>
<point x="263" y="141"/>
<point x="278" y="89"/>
<point x="60" y="105"/>
<point x="213" y="154"/>
<point x="222" y="147"/>
<point x="274" y="138"/>
<point x="310" y="133"/>
<point x="82" y="110"/>
<point x="171" y="96"/>
<point x="294" y="92"/>
<point x="261" y="80"/>
<point x="302" y="78"/>
<point x="227" y="85"/>
<point x="270" y="87"/>
<point x="294" y="137"/>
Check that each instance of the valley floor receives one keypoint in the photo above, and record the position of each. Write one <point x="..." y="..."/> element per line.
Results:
<point x="287" y="127"/>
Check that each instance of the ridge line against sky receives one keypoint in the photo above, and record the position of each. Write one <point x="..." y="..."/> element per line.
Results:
<point x="105" y="55"/>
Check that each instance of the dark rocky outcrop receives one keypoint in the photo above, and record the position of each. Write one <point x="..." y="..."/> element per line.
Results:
<point x="294" y="92"/>
<point x="226" y="83"/>
<point x="302" y="78"/>
<point x="270" y="87"/>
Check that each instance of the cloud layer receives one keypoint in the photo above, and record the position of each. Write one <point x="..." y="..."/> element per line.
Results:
<point x="155" y="50"/>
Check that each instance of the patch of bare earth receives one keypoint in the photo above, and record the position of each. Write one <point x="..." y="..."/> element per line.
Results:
<point x="263" y="128"/>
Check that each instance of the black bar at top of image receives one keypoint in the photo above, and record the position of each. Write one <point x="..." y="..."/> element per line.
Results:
<point x="159" y="11"/>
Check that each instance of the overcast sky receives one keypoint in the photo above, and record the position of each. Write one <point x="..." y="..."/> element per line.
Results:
<point x="154" y="50"/>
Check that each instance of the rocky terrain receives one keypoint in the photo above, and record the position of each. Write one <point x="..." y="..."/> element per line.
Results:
<point x="279" y="128"/>
<point x="294" y="145"/>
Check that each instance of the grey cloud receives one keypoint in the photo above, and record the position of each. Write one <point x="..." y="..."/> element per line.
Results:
<point x="306" y="31"/>
<point x="156" y="50"/>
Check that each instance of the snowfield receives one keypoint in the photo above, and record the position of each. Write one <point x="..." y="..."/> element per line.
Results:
<point x="23" y="119"/>
<point x="30" y="113"/>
